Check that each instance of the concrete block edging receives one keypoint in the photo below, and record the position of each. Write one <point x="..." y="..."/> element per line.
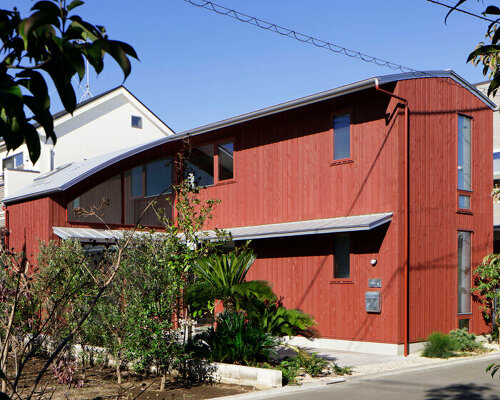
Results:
<point x="242" y="375"/>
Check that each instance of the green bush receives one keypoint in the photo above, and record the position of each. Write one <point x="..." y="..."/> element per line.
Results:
<point x="235" y="340"/>
<point x="465" y="341"/>
<point x="338" y="370"/>
<point x="440" y="345"/>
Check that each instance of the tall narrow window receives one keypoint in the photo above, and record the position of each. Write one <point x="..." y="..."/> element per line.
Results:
<point x="158" y="177"/>
<point x="201" y="165"/>
<point x="464" y="153"/>
<point x="341" y="137"/>
<point x="341" y="254"/>
<point x="136" y="182"/>
<point x="225" y="161"/>
<point x="464" y="272"/>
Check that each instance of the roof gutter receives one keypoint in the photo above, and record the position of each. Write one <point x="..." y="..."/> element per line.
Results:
<point x="406" y="224"/>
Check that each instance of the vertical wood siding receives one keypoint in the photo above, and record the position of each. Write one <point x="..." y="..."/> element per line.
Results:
<point x="284" y="171"/>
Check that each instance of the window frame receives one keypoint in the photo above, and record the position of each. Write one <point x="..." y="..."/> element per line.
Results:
<point x="350" y="279"/>
<point x="13" y="158"/>
<point x="331" y="131"/>
<point x="466" y="313"/>
<point x="145" y="177"/>
<point x="215" y="144"/>
<point x="471" y="190"/>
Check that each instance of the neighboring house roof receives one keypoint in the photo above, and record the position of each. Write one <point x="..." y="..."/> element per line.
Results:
<point x="95" y="101"/>
<point x="315" y="226"/>
<point x="65" y="178"/>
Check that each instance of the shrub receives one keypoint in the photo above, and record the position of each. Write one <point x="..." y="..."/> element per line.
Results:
<point x="465" y="341"/>
<point x="338" y="370"/>
<point x="236" y="340"/>
<point x="440" y="345"/>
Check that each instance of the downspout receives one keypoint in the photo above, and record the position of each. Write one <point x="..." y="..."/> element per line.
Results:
<point x="406" y="241"/>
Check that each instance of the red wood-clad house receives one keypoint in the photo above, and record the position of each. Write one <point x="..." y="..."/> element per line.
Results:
<point x="367" y="204"/>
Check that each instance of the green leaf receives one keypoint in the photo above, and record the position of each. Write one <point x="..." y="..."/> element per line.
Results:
<point x="74" y="4"/>
<point x="32" y="142"/>
<point x="453" y="9"/>
<point x="492" y="10"/>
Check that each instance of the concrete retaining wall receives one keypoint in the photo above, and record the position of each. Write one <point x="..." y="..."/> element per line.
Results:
<point x="241" y="375"/>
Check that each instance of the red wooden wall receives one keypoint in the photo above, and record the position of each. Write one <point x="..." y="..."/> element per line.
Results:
<point x="284" y="171"/>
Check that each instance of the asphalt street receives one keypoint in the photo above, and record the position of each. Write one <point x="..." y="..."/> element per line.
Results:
<point x="461" y="381"/>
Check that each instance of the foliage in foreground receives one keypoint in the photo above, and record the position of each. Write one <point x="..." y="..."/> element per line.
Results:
<point x="52" y="42"/>
<point x="487" y="285"/>
<point x="464" y="340"/>
<point x="236" y="340"/>
<point x="439" y="345"/>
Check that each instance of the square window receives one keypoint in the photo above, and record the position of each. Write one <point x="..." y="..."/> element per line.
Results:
<point x="463" y="202"/>
<point x="136" y="122"/>
<point x="341" y="137"/>
<point x="463" y="323"/>
<point x="341" y="255"/>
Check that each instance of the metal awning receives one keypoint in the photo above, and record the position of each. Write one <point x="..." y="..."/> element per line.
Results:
<point x="310" y="227"/>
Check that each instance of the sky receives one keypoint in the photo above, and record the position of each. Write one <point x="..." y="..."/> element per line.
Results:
<point x="197" y="67"/>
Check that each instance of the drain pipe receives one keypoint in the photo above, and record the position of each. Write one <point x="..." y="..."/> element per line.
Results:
<point x="406" y="241"/>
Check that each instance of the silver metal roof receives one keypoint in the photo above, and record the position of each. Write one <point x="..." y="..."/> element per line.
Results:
<point x="68" y="177"/>
<point x="286" y="229"/>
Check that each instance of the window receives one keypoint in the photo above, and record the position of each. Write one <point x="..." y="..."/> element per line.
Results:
<point x="151" y="179"/>
<point x="200" y="166"/>
<point x="464" y="202"/>
<point x="136" y="122"/>
<point x="76" y="203"/>
<point x="225" y="152"/>
<point x="496" y="161"/>
<point x="341" y="137"/>
<point x="158" y="177"/>
<point x="341" y="254"/>
<point x="13" y="162"/>
<point x="464" y="153"/>
<point x="136" y="182"/>
<point x="464" y="272"/>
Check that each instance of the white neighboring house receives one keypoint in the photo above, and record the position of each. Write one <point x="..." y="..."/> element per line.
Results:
<point x="111" y="121"/>
<point x="483" y="86"/>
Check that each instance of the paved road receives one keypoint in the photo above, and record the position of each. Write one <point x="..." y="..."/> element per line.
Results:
<point x="464" y="381"/>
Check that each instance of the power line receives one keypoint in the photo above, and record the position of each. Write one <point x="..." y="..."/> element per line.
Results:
<point x="461" y="10"/>
<point x="301" y="37"/>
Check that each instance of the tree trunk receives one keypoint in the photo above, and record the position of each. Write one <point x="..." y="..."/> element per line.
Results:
<point x="119" y="361"/>
<point x="162" y="382"/>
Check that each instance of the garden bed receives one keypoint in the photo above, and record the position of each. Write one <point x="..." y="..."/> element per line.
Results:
<point x="100" y="383"/>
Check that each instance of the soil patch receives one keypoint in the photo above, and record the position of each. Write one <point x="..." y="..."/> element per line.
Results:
<point x="100" y="384"/>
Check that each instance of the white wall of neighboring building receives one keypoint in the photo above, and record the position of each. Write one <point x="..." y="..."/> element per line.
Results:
<point x="483" y="87"/>
<point x="99" y="126"/>
<point x="17" y="179"/>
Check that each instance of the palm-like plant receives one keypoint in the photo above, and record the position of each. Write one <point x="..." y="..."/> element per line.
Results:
<point x="222" y="277"/>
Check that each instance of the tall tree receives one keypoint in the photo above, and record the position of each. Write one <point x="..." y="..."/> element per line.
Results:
<point x="51" y="44"/>
<point x="487" y="52"/>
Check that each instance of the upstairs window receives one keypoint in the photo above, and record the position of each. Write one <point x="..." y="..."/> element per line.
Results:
<point x="200" y="166"/>
<point x="225" y="152"/>
<point x="136" y="122"/>
<point x="210" y="164"/>
<point x="151" y="179"/>
<point x="13" y="162"/>
<point x="158" y="177"/>
<point x="341" y="254"/>
<point x="342" y="137"/>
<point x="464" y="153"/>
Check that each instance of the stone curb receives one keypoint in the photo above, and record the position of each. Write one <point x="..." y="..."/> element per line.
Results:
<point x="324" y="382"/>
<point x="281" y="390"/>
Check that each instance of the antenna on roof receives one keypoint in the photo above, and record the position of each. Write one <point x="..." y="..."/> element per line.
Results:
<point x="87" y="94"/>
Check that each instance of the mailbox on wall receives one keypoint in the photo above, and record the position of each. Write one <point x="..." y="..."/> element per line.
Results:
<point x="372" y="302"/>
